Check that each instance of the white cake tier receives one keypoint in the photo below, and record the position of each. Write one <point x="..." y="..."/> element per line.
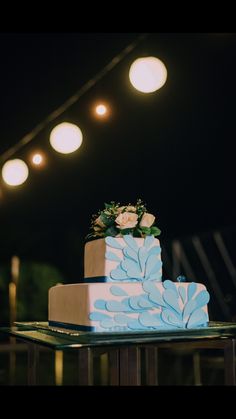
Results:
<point x="123" y="306"/>
<point x="122" y="259"/>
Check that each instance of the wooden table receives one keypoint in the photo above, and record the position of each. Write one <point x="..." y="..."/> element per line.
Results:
<point x="124" y="349"/>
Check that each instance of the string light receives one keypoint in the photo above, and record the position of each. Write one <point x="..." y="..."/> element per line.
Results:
<point x="101" y="110"/>
<point x="37" y="159"/>
<point x="148" y="74"/>
<point x="73" y="99"/>
<point x="66" y="138"/>
<point x="15" y="172"/>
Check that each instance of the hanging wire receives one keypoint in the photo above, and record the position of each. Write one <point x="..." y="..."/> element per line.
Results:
<point x="73" y="99"/>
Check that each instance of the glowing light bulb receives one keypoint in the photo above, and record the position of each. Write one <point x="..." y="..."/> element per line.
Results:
<point x="37" y="159"/>
<point x="147" y="74"/>
<point x="101" y="109"/>
<point x="15" y="172"/>
<point x="66" y="138"/>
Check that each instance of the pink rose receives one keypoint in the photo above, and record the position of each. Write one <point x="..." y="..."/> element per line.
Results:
<point x="126" y="220"/>
<point x="147" y="220"/>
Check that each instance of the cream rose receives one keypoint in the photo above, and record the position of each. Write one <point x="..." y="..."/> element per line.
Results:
<point x="131" y="208"/>
<point x="120" y="209"/>
<point x="99" y="222"/>
<point x="147" y="220"/>
<point x="126" y="220"/>
<point x="128" y="208"/>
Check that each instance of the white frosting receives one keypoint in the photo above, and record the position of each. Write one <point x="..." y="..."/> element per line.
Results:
<point x="73" y="303"/>
<point x="88" y="304"/>
<point x="95" y="262"/>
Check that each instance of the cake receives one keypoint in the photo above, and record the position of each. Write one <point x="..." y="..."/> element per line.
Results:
<point x="123" y="288"/>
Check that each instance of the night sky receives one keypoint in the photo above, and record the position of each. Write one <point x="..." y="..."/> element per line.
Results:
<point x="173" y="148"/>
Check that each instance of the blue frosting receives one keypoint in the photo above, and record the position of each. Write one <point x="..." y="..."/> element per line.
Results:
<point x="110" y="241"/>
<point x="138" y="263"/>
<point x="119" y="314"/>
<point x="181" y="278"/>
<point x="115" y="290"/>
<point x="182" y="293"/>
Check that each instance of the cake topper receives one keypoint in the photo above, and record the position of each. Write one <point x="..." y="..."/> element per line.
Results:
<point x="117" y="220"/>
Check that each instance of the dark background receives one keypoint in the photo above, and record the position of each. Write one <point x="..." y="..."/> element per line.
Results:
<point x="173" y="148"/>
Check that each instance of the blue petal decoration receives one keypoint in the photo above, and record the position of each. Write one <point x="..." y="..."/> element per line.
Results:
<point x="120" y="306"/>
<point x="170" y="285"/>
<point x="130" y="253"/>
<point x="169" y="296"/>
<point x="156" y="250"/>
<point x="122" y="319"/>
<point x="156" y="297"/>
<point x="189" y="308"/>
<point x="181" y="278"/>
<point x="144" y="302"/>
<point x="114" y="305"/>
<point x="158" y="317"/>
<point x="112" y="256"/>
<point x="110" y="241"/>
<point x="134" y="324"/>
<point x="191" y="290"/>
<point x="98" y="316"/>
<point x="155" y="269"/>
<point x="142" y="256"/>
<point x="182" y="293"/>
<point x="100" y="304"/>
<point x="153" y="265"/>
<point x="157" y="277"/>
<point x="134" y="303"/>
<point x="129" y="264"/>
<point x="129" y="240"/>
<point x="148" y="320"/>
<point x="122" y="266"/>
<point x="168" y="316"/>
<point x="149" y="287"/>
<point x="118" y="274"/>
<point x="197" y="318"/>
<point x="135" y="279"/>
<point x="127" y="306"/>
<point x="133" y="265"/>
<point x="134" y="273"/>
<point x="107" y="323"/>
<point x="148" y="241"/>
<point x="202" y="298"/>
<point x="118" y="291"/>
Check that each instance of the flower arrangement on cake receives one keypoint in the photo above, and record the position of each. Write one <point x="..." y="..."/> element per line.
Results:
<point x="117" y="220"/>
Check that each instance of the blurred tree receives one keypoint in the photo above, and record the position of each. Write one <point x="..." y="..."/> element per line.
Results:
<point x="32" y="293"/>
<point x="4" y="298"/>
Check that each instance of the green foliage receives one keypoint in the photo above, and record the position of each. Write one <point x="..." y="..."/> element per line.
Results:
<point x="125" y="231"/>
<point x="32" y="291"/>
<point x="114" y="218"/>
<point x="111" y="231"/>
<point x="145" y="230"/>
<point x="107" y="220"/>
<point x="155" y="231"/>
<point x="4" y="284"/>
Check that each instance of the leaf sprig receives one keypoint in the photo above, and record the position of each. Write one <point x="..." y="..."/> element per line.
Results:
<point x="117" y="220"/>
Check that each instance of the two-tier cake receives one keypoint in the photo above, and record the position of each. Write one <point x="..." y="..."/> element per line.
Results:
<point x="123" y="288"/>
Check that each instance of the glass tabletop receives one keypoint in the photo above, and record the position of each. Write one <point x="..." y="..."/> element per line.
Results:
<point x="41" y="333"/>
